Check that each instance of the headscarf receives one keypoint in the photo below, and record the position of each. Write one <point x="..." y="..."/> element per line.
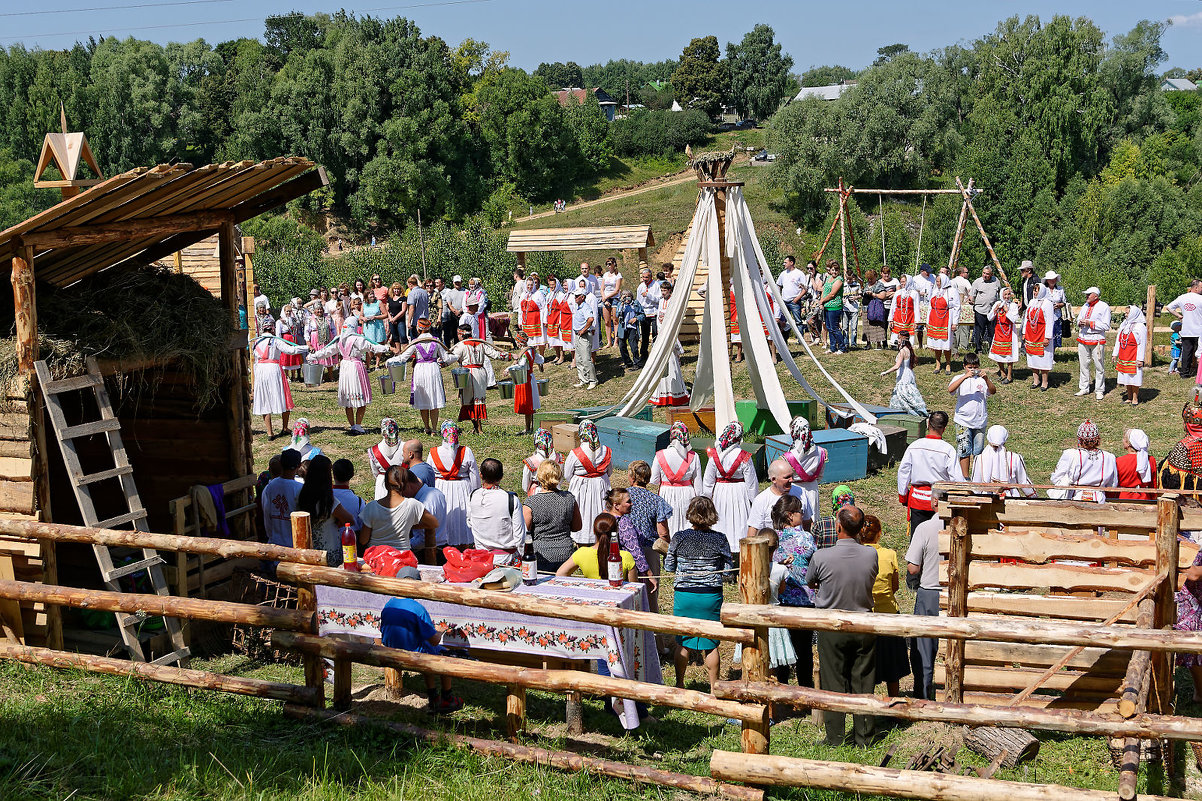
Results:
<point x="1041" y="292"/>
<point x="1088" y="436"/>
<point x="842" y="496"/>
<point x="1191" y="415"/>
<point x="731" y="435"/>
<point x="799" y="429"/>
<point x="543" y="442"/>
<point x="993" y="465"/>
<point x="266" y="324"/>
<point x="423" y="325"/>
<point x="390" y="431"/>
<point x="1135" y="316"/>
<point x="588" y="434"/>
<point x="679" y="433"/>
<point x="1139" y="441"/>
<point x="450" y="433"/>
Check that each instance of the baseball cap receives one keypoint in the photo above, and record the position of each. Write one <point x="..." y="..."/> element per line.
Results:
<point x="457" y="279"/>
<point x="1093" y="290"/>
<point x="925" y="268"/>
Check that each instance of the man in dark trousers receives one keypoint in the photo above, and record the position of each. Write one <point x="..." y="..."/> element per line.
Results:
<point x="922" y="576"/>
<point x="844" y="575"/>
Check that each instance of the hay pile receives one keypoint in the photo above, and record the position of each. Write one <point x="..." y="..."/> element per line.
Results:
<point x="149" y="315"/>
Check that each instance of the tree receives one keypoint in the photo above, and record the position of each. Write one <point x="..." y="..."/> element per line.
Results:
<point x="591" y="131"/>
<point x="701" y="80"/>
<point x="827" y="75"/>
<point x="889" y="52"/>
<point x="759" y="73"/>
<point x="561" y="76"/>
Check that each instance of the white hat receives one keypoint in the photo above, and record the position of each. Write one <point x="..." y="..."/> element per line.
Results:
<point x="581" y="289"/>
<point x="457" y="279"/>
<point x="1093" y="290"/>
<point x="1027" y="265"/>
<point x="1051" y="275"/>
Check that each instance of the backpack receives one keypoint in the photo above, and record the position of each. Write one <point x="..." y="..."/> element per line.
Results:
<point x="876" y="311"/>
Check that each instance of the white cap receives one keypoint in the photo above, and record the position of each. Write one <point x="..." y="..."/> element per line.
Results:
<point x="1093" y="290"/>
<point x="457" y="279"/>
<point x="581" y="288"/>
<point x="1027" y="265"/>
<point x="1051" y="275"/>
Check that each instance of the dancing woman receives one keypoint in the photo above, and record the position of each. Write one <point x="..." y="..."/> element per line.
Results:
<point x="354" y="388"/>
<point x="272" y="393"/>
<point x="426" y="393"/>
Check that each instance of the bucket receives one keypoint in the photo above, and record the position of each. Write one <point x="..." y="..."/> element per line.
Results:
<point x="387" y="385"/>
<point x="397" y="371"/>
<point x="312" y="374"/>
<point x="542" y="387"/>
<point x="462" y="377"/>
<point x="518" y="373"/>
<point x="506" y="388"/>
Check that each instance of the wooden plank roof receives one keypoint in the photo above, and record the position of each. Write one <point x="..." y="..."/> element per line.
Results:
<point x="150" y="212"/>
<point x="613" y="237"/>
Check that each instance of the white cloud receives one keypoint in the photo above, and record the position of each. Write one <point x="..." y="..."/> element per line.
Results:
<point x="1187" y="20"/>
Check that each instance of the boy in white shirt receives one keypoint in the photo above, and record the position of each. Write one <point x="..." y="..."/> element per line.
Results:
<point x="972" y="388"/>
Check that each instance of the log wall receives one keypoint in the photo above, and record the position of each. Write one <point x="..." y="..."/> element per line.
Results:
<point x="17" y="501"/>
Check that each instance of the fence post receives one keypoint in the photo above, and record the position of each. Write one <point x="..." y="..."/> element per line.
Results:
<point x="515" y="710"/>
<point x="754" y="556"/>
<point x="1151" y="315"/>
<point x="306" y="601"/>
<point x="957" y="606"/>
<point x="1168" y="516"/>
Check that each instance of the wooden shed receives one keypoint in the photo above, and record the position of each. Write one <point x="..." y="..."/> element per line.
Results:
<point x="202" y="261"/>
<point x="612" y="237"/>
<point x="125" y="223"/>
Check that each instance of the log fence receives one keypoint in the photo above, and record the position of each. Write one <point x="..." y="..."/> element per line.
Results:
<point x="1092" y="634"/>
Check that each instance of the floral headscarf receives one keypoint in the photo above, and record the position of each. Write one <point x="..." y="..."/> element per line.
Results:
<point x="731" y="435"/>
<point x="390" y="431"/>
<point x="1191" y="415"/>
<point x="679" y="432"/>
<point x="842" y="496"/>
<point x="1088" y="435"/>
<point x="450" y="433"/>
<point x="799" y="429"/>
<point x="543" y="442"/>
<point x="300" y="429"/>
<point x="588" y="434"/>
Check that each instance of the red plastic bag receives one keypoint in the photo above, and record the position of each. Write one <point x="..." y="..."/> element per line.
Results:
<point x="466" y="566"/>
<point x="385" y="560"/>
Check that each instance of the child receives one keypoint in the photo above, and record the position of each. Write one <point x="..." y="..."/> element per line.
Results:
<point x="795" y="546"/>
<point x="629" y="321"/>
<point x="780" y="645"/>
<point x="1175" y="347"/>
<point x="405" y="624"/>
<point x="892" y="659"/>
<point x="344" y="471"/>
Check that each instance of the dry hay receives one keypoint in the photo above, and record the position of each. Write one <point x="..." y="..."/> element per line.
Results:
<point x="146" y="316"/>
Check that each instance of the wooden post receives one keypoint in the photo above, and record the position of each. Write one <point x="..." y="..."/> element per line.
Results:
<point x="241" y="458"/>
<point x="954" y="257"/>
<point x="1150" y="314"/>
<point x="843" y="230"/>
<point x="342" y="684"/>
<point x="1168" y="515"/>
<point x="574" y="712"/>
<point x="306" y="601"/>
<point x="515" y="711"/>
<point x="967" y="193"/>
<point x="957" y="606"/>
<point x="754" y="555"/>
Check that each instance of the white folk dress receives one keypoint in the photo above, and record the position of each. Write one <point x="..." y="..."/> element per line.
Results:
<point x="1079" y="467"/>
<point x="730" y="481"/>
<point x="588" y="473"/>
<point x="906" y="395"/>
<point x="671" y="390"/>
<point x="272" y="393"/>
<point x="1005" y="317"/>
<point x="474" y="354"/>
<point x="807" y="474"/>
<point x="456" y="476"/>
<point x="1031" y="334"/>
<point x="380" y="457"/>
<point x="678" y="473"/>
<point x="1130" y="347"/>
<point x="425" y="384"/>
<point x="530" y="467"/>
<point x="354" y="388"/>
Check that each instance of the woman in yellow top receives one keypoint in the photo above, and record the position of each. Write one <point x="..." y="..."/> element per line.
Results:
<point x="593" y="560"/>
<point x="892" y="660"/>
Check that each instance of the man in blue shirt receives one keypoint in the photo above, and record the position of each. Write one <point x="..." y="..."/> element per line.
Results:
<point x="406" y="625"/>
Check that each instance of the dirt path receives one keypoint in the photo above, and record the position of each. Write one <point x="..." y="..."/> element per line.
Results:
<point x="657" y="183"/>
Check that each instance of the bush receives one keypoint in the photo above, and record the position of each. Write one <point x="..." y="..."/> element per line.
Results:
<point x="659" y="133"/>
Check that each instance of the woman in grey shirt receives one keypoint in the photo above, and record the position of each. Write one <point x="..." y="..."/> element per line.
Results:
<point x="551" y="517"/>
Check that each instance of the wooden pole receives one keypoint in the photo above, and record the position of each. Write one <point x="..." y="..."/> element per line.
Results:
<point x="238" y="424"/>
<point x="957" y="240"/>
<point x="855" y="255"/>
<point x="957" y="606"/>
<point x="1150" y="314"/>
<point x="843" y="229"/>
<point x="306" y="601"/>
<point x="342" y="684"/>
<point x="560" y="760"/>
<point x="780" y="771"/>
<point x="1164" y="614"/>
<point x="754" y="566"/>
<point x="1134" y="698"/>
<point x="967" y="193"/>
<point x="1129" y="769"/>
<point x="834" y="223"/>
<point x="167" y="674"/>
<point x="509" y="602"/>
<point x="870" y="191"/>
<point x="515" y="711"/>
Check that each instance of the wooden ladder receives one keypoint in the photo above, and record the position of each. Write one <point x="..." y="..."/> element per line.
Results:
<point x="81" y="482"/>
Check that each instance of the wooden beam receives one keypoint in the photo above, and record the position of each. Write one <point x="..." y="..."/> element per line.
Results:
<point x="306" y="601"/>
<point x="862" y="191"/>
<point x="238" y="417"/>
<point x="957" y="605"/>
<point x="1136" y="685"/>
<point x="754" y="564"/>
<point x="78" y="236"/>
<point x="25" y="306"/>
<point x="997" y="265"/>
<point x="285" y="192"/>
<point x="1164" y="614"/>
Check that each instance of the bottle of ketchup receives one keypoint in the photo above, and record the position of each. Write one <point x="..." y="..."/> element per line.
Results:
<point x="350" y="559"/>
<point x="615" y="564"/>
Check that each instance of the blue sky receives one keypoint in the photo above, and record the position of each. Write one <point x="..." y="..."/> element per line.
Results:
<point x="561" y="30"/>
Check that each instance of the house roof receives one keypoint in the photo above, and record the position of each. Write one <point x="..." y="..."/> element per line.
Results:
<point x="611" y="237"/>
<point x="1179" y="85"/>
<point x="581" y="95"/>
<point x="832" y="92"/>
<point x="147" y="213"/>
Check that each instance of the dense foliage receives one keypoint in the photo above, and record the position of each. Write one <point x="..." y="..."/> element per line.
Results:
<point x="1087" y="166"/>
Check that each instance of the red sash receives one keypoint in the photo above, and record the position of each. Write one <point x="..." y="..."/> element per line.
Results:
<point x="903" y="314"/>
<point x="734" y="316"/>
<point x="1128" y="353"/>
<point x="802" y="475"/>
<point x="921" y="498"/>
<point x="443" y="472"/>
<point x="1034" y="332"/>
<point x="381" y="462"/>
<point x="726" y="476"/>
<point x="591" y="470"/>
<point x="1003" y="337"/>
<point x="674" y="479"/>
<point x="937" y="321"/>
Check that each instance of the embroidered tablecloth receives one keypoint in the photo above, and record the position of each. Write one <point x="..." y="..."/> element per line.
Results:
<point x="628" y="653"/>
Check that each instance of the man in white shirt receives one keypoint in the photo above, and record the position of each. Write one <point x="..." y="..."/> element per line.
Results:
<point x="924" y="285"/>
<point x="495" y="515"/>
<point x="1188" y="309"/>
<point x="927" y="461"/>
<point x="792" y="283"/>
<point x="971" y="388"/>
<point x="1059" y="303"/>
<point x="279" y="500"/>
<point x="647" y="295"/>
<point x="453" y="302"/>
<point x="434" y="502"/>
<point x="963" y="288"/>
<point x="780" y="484"/>
<point x="584" y="322"/>
<point x="1093" y="321"/>
<point x="519" y="289"/>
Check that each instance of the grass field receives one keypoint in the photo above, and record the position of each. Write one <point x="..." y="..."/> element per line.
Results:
<point x="86" y="737"/>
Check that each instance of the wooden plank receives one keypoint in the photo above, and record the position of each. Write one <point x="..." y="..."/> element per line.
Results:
<point x="1040" y="548"/>
<point x="10" y="611"/>
<point x="80" y="235"/>
<point x="1105" y="661"/>
<point x="1059" y="606"/>
<point x="1059" y="576"/>
<point x="30" y="549"/>
<point x="1003" y="679"/>
<point x="16" y="496"/>
<point x="85" y="381"/>
<point x="88" y="429"/>
<point x="1105" y="706"/>
<point x="15" y="468"/>
<point x="14" y="426"/>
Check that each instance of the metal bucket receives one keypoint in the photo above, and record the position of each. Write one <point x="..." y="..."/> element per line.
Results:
<point x="518" y="373"/>
<point x="506" y="388"/>
<point x="312" y="374"/>
<point x="462" y="377"/>
<point x="542" y="387"/>
<point x="387" y="385"/>
<point x="397" y="371"/>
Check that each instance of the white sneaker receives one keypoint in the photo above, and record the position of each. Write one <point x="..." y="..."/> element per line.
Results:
<point x="1081" y="393"/>
<point x="1100" y="395"/>
<point x="578" y="384"/>
<point x="593" y="386"/>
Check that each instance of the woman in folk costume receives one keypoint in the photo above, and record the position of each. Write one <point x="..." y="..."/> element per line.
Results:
<point x="1037" y="338"/>
<point x="532" y="313"/>
<point x="1130" y="351"/>
<point x="671" y="390"/>
<point x="300" y="441"/>
<point x="290" y="328"/>
<point x="555" y="320"/>
<point x="425" y="386"/>
<point x="456" y="476"/>
<point x="941" y="324"/>
<point x="1006" y="341"/>
<point x="525" y="395"/>
<point x="319" y="332"/>
<point x="1136" y="470"/>
<point x="588" y="468"/>
<point x="731" y="482"/>
<point x="677" y="471"/>
<point x="1085" y="465"/>
<point x="544" y="449"/>
<point x="903" y="315"/>
<point x="906" y="394"/>
<point x="272" y="393"/>
<point x="354" y="388"/>
<point x="736" y="336"/>
<point x="384" y="454"/>
<point x="808" y="461"/>
<point x="473" y="354"/>
<point x="997" y="465"/>
<point x="477" y="322"/>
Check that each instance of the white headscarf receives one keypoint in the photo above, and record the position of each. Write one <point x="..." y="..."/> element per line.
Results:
<point x="1139" y="441"/>
<point x="1135" y="316"/>
<point x="993" y="465"/>
<point x="1041" y="293"/>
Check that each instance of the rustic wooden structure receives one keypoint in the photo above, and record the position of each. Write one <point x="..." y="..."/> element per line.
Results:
<point x="202" y="574"/>
<point x="64" y="151"/>
<point x="613" y="237"/>
<point x="202" y="261"/>
<point x="124" y="222"/>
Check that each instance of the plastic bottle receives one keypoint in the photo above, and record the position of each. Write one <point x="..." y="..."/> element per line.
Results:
<point x="529" y="563"/>
<point x="350" y="559"/>
<point x="615" y="565"/>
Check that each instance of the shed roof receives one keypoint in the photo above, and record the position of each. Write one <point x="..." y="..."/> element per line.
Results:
<point x="832" y="92"/>
<point x="614" y="237"/>
<point x="150" y="212"/>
